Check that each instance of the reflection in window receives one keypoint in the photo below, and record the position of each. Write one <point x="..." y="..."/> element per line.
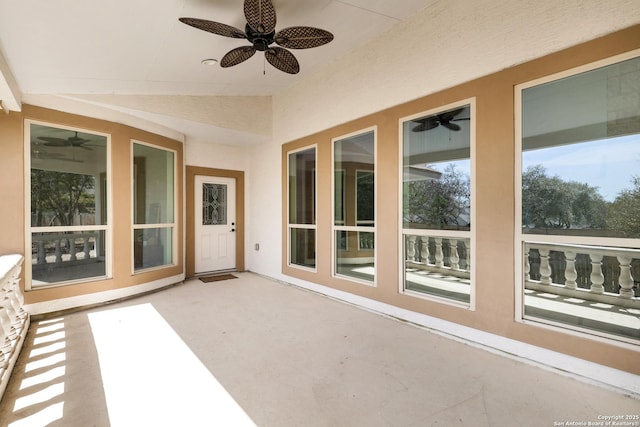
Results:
<point x="436" y="204"/>
<point x="302" y="208"/>
<point x="153" y="206"/>
<point x="581" y="154"/>
<point x="580" y="183"/>
<point x="354" y="209"/>
<point x="68" y="219"/>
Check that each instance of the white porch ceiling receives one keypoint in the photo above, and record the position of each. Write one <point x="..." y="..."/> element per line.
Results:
<point x="137" y="58"/>
<point x="134" y="62"/>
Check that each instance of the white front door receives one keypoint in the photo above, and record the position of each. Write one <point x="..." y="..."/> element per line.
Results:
<point x="215" y="223"/>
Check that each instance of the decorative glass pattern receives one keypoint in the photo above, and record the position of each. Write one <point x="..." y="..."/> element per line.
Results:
<point x="214" y="204"/>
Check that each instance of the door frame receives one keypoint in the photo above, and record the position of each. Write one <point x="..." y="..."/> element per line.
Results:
<point x="190" y="177"/>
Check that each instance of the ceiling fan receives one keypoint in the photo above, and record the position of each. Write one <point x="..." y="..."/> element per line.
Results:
<point x="443" y="119"/>
<point x="72" y="141"/>
<point x="260" y="31"/>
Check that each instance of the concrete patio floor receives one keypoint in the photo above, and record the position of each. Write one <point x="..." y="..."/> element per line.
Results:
<point x="252" y="351"/>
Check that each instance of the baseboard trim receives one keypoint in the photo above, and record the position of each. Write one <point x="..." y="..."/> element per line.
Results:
<point x="84" y="301"/>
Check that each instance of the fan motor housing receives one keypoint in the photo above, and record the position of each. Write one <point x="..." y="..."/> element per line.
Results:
<point x="260" y="41"/>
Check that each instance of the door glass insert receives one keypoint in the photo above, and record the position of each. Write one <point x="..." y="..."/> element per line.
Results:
<point x="214" y="204"/>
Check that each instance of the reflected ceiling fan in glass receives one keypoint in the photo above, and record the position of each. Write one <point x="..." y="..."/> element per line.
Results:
<point x="261" y="33"/>
<point x="444" y="119"/>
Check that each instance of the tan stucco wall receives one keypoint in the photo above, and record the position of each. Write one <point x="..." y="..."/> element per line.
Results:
<point x="12" y="208"/>
<point x="495" y="205"/>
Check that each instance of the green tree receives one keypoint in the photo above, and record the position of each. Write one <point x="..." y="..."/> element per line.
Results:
<point x="57" y="197"/>
<point x="439" y="203"/>
<point x="550" y="202"/>
<point x="624" y="212"/>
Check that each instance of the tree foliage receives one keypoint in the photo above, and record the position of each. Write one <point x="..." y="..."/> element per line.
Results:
<point x="624" y="212"/>
<point x="439" y="203"/>
<point x="550" y="202"/>
<point x="57" y="197"/>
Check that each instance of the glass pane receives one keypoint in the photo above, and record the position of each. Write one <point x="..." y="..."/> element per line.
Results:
<point x="364" y="197"/>
<point x="302" y="190"/>
<point x="437" y="171"/>
<point x="153" y="185"/>
<point x="214" y="204"/>
<point x="587" y="287"/>
<point x="438" y="266"/>
<point x="68" y="177"/>
<point x="581" y="154"/>
<point x="66" y="256"/>
<point x="355" y="254"/>
<point x="303" y="247"/>
<point x="354" y="184"/>
<point x="152" y="247"/>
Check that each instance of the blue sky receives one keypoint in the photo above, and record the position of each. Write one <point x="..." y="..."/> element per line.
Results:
<point x="608" y="164"/>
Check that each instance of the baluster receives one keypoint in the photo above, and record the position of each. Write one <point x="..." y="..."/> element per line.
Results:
<point x="41" y="253"/>
<point x="418" y="250"/>
<point x="626" y="280"/>
<point x="425" y="250"/>
<point x="58" y="251"/>
<point x="545" y="267"/>
<point x="72" y="249"/>
<point x="467" y="249"/>
<point x="87" y="247"/>
<point x="527" y="264"/>
<point x="570" y="273"/>
<point x="454" y="257"/>
<point x="411" y="248"/>
<point x="439" y="253"/>
<point x="597" y="278"/>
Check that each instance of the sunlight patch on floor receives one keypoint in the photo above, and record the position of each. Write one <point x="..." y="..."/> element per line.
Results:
<point x="151" y="377"/>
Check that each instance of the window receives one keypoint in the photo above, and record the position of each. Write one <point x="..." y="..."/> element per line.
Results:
<point x="302" y="208"/>
<point x="436" y="203"/>
<point x="69" y="211"/>
<point x="579" y="227"/>
<point x="153" y="206"/>
<point x="354" y="207"/>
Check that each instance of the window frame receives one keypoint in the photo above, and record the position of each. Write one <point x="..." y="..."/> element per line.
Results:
<point x="356" y="228"/>
<point x="314" y="226"/>
<point x="520" y="238"/>
<point x="471" y="234"/>
<point x="172" y="225"/>
<point x="29" y="229"/>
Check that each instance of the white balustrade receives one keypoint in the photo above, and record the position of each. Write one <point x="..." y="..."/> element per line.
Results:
<point x="63" y="243"/>
<point x="14" y="321"/>
<point x="445" y="253"/>
<point x="596" y="291"/>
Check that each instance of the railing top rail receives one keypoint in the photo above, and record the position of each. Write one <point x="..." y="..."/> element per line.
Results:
<point x="600" y="250"/>
<point x="8" y="263"/>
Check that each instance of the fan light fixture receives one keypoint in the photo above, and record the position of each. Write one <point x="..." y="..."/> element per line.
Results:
<point x="209" y="61"/>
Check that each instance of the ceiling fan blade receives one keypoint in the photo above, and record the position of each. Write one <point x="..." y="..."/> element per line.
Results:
<point x="302" y="37"/>
<point x="282" y="59"/>
<point x="54" y="142"/>
<point x="214" y="27"/>
<point x="451" y="126"/>
<point x="260" y="15"/>
<point x="449" y="115"/>
<point x="425" y="124"/>
<point x="237" y="55"/>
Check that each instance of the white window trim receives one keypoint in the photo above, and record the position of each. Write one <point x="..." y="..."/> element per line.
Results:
<point x="521" y="238"/>
<point x="334" y="228"/>
<point x="313" y="226"/>
<point x="471" y="235"/>
<point x="172" y="225"/>
<point x="108" y="228"/>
